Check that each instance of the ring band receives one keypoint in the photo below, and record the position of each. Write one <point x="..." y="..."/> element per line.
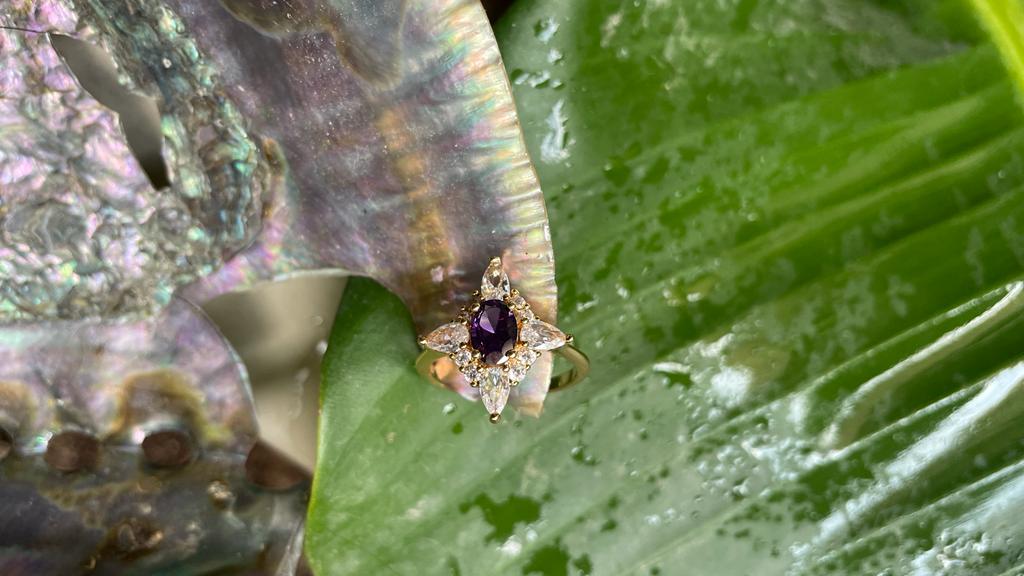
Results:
<point x="428" y="360"/>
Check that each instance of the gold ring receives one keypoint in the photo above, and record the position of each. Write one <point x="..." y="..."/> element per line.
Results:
<point x="493" y="344"/>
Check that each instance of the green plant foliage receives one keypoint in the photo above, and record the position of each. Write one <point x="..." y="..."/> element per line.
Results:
<point x="790" y="233"/>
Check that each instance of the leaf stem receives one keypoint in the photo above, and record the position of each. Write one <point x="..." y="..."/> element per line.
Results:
<point x="1004" y="20"/>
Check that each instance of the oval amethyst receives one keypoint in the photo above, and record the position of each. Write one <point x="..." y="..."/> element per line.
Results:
<point x="493" y="331"/>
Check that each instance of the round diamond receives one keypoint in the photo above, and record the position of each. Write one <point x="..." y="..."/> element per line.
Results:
<point x="471" y="372"/>
<point x="525" y="315"/>
<point x="462" y="357"/>
<point x="517" y="371"/>
<point x="529" y="356"/>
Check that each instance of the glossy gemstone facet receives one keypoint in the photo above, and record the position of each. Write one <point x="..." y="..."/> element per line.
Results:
<point x="542" y="336"/>
<point x="448" y="338"/>
<point x="494" y="391"/>
<point x="494" y="331"/>
<point x="495" y="282"/>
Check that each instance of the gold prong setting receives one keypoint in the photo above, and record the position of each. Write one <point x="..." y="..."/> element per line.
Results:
<point x="533" y="336"/>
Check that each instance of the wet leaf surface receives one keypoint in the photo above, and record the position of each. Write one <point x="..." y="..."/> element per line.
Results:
<point x="791" y="237"/>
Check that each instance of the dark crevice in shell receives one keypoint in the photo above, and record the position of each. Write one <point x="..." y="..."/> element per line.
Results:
<point x="138" y="115"/>
<point x="6" y="443"/>
<point x="268" y="468"/>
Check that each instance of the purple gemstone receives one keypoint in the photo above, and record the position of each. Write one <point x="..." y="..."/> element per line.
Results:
<point x="494" y="331"/>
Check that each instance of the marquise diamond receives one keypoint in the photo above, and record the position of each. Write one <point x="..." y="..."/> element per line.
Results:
<point x="494" y="390"/>
<point x="448" y="338"/>
<point x="540" y="335"/>
<point x="495" y="284"/>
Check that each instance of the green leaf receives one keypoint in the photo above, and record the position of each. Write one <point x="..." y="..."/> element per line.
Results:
<point x="1005" y="21"/>
<point x="790" y="234"/>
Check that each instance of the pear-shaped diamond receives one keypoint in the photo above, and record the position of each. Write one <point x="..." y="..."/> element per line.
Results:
<point x="448" y="338"/>
<point x="540" y="335"/>
<point x="494" y="390"/>
<point x="495" y="282"/>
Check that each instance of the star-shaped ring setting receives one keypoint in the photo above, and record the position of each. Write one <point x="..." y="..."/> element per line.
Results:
<point x="495" y="341"/>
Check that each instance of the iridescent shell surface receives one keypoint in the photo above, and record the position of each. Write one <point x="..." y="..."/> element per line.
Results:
<point x="84" y="233"/>
<point x="119" y="380"/>
<point x="121" y="383"/>
<point x="372" y="137"/>
<point x="366" y="137"/>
